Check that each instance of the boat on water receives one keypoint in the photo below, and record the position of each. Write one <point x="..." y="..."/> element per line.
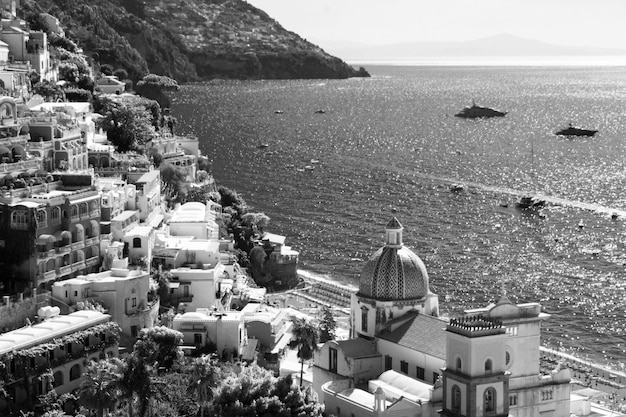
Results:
<point x="530" y="202"/>
<point x="456" y="188"/>
<point x="474" y="111"/>
<point x="572" y="130"/>
<point x="263" y="146"/>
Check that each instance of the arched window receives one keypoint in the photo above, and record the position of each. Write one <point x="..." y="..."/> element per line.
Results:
<point x="136" y="242"/>
<point x="489" y="401"/>
<point x="19" y="220"/>
<point x="458" y="364"/>
<point x="488" y="366"/>
<point x="58" y="379"/>
<point x="74" y="210"/>
<point x="42" y="218"/>
<point x="75" y="372"/>
<point x="55" y="215"/>
<point x="456" y="398"/>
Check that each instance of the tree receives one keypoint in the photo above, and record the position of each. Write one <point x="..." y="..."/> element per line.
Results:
<point x="256" y="392"/>
<point x="128" y="126"/>
<point x="328" y="325"/>
<point x="154" y="87"/>
<point x="106" y="69"/>
<point x="230" y="198"/>
<point x="121" y="74"/>
<point x="305" y="340"/>
<point x="203" y="380"/>
<point x="172" y="182"/>
<point x="201" y="194"/>
<point x="159" y="346"/>
<point x="136" y="381"/>
<point x="49" y="91"/>
<point x="255" y="220"/>
<point x="100" y="387"/>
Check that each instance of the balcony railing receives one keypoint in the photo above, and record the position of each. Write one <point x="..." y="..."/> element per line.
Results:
<point x="15" y="166"/>
<point x="92" y="261"/>
<point x="46" y="276"/>
<point x="77" y="266"/>
<point x="64" y="249"/>
<point x="92" y="241"/>
<point x="77" y="245"/>
<point x="47" y="253"/>
<point x="19" y="226"/>
<point x="64" y="270"/>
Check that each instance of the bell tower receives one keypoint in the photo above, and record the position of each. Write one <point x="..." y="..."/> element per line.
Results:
<point x="475" y="383"/>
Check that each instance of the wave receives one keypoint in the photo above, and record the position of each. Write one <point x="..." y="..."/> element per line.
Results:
<point x="325" y="279"/>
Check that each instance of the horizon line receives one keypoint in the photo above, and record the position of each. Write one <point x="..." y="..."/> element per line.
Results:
<point x="531" y="61"/>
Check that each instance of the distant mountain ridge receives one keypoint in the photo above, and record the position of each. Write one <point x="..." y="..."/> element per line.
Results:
<point x="190" y="40"/>
<point x="502" y="45"/>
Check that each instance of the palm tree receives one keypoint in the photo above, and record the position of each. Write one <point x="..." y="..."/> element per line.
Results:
<point x="305" y="337"/>
<point x="203" y="378"/>
<point x="100" y="388"/>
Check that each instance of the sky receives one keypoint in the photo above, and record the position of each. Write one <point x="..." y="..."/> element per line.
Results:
<point x="597" y="23"/>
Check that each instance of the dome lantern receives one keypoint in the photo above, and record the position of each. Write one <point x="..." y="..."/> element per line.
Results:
<point x="394" y="272"/>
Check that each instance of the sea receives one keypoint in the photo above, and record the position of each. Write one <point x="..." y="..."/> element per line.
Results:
<point x="332" y="161"/>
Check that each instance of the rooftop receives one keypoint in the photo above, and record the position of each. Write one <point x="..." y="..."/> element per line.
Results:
<point x="422" y="333"/>
<point x="54" y="327"/>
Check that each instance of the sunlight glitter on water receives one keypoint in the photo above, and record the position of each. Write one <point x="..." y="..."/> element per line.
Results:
<point x="391" y="142"/>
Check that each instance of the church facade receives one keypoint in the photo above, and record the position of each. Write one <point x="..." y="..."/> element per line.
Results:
<point x="404" y="360"/>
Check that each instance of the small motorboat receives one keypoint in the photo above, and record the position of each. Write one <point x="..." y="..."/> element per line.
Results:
<point x="320" y="111"/>
<point x="475" y="111"/>
<point x="572" y="130"/>
<point x="529" y="202"/>
<point x="456" y="188"/>
<point x="263" y="146"/>
<point x="278" y="112"/>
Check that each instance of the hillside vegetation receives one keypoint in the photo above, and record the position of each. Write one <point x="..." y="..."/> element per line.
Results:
<point x="190" y="40"/>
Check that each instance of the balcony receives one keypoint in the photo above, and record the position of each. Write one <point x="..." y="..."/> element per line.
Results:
<point x="64" y="270"/>
<point x="47" y="253"/>
<point x="64" y="249"/>
<point x="77" y="266"/>
<point x="46" y="276"/>
<point x="91" y="241"/>
<point x="19" y="226"/>
<point x="77" y="245"/>
<point x="92" y="261"/>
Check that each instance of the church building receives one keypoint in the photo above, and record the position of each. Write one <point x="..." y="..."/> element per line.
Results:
<point x="404" y="360"/>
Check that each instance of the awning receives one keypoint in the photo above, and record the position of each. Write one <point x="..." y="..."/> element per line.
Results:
<point x="45" y="238"/>
<point x="156" y="221"/>
<point x="249" y="350"/>
<point x="282" y="342"/>
<point x="173" y="284"/>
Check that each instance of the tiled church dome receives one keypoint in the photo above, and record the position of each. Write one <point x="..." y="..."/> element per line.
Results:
<point x="394" y="272"/>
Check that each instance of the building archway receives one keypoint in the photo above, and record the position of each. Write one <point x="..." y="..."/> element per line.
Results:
<point x="75" y="372"/>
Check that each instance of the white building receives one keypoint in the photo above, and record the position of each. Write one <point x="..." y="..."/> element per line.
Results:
<point x="405" y="361"/>
<point x="61" y="345"/>
<point x="194" y="219"/>
<point x="224" y="330"/>
<point x="124" y="293"/>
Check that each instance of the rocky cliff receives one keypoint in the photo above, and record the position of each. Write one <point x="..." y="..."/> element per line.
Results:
<point x="190" y="40"/>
